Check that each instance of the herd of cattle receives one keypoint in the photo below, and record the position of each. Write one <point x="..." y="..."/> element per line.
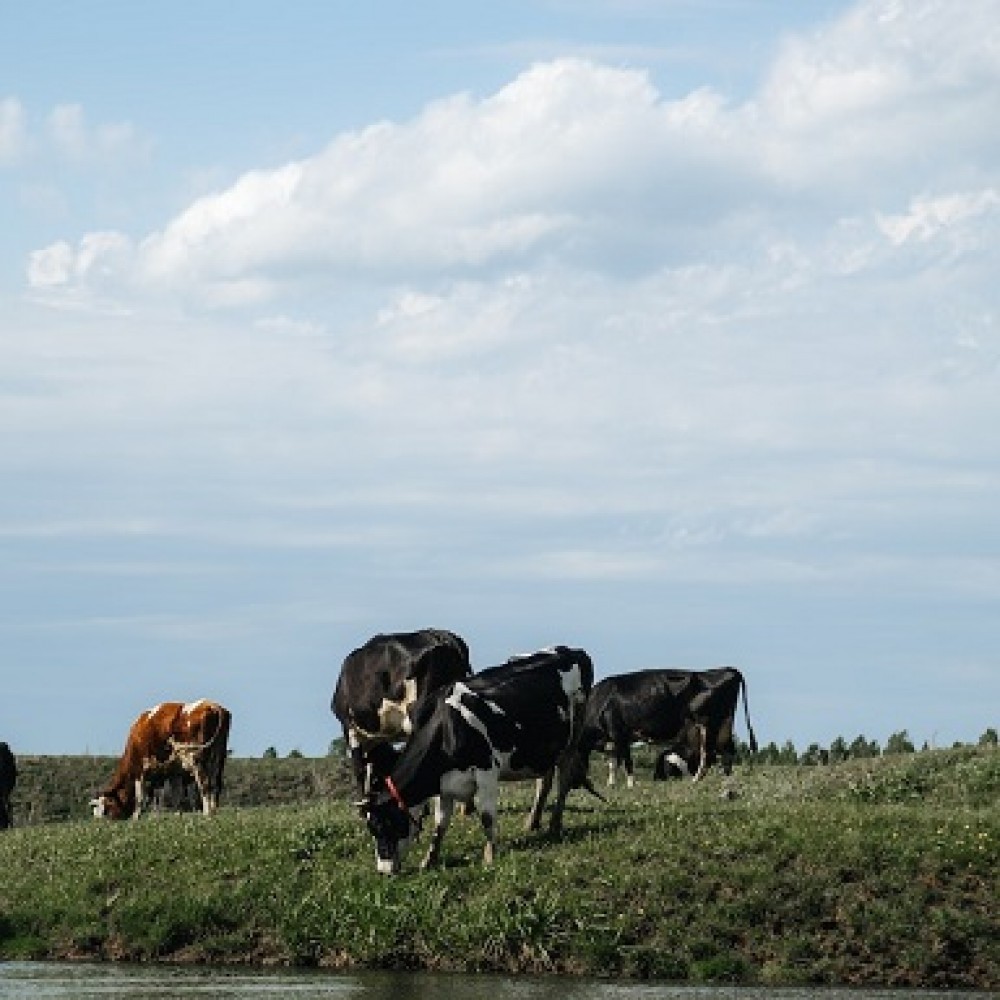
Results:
<point x="421" y="727"/>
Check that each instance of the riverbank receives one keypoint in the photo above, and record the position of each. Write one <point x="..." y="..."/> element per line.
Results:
<point x="881" y="872"/>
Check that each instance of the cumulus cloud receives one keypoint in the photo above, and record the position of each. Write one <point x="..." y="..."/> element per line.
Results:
<point x="884" y="88"/>
<point x="592" y="166"/>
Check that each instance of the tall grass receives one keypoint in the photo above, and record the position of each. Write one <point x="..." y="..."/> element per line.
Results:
<point x="877" y="872"/>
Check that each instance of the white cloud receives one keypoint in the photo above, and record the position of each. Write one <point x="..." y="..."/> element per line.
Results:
<point x="589" y="165"/>
<point x="51" y="266"/>
<point x="884" y="91"/>
<point x="114" y="143"/>
<point x="13" y="130"/>
<point x="929" y="217"/>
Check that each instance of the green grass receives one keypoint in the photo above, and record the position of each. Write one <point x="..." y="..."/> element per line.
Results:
<point x="876" y="872"/>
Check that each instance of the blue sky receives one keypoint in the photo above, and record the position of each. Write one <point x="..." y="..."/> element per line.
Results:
<point x="664" y="329"/>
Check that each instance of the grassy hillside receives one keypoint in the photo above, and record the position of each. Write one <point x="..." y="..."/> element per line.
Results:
<point x="868" y="872"/>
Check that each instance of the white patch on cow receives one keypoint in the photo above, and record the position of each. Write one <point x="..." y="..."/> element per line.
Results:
<point x="544" y="651"/>
<point x="394" y="716"/>
<point x="572" y="682"/>
<point x="455" y="701"/>
<point x="192" y="706"/>
<point x="152" y="711"/>
<point x="679" y="762"/>
<point x="97" y="805"/>
<point x="495" y="708"/>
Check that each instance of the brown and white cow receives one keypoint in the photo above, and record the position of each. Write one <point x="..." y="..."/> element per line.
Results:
<point x="171" y="738"/>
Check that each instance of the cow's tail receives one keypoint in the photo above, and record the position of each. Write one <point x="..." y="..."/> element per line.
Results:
<point x="746" y="714"/>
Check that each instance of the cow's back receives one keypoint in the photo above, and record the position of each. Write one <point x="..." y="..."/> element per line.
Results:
<point x="534" y="704"/>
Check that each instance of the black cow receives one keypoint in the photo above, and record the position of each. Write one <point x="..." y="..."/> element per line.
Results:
<point x="690" y="711"/>
<point x="518" y="720"/>
<point x="383" y="682"/>
<point x="8" y="779"/>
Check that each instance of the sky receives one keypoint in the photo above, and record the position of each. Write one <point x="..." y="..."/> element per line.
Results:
<point x="663" y="328"/>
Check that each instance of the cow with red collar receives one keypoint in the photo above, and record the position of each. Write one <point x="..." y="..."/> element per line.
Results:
<point x="515" y="721"/>
<point x="170" y="739"/>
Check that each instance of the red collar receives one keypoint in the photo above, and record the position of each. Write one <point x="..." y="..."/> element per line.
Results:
<point x="394" y="792"/>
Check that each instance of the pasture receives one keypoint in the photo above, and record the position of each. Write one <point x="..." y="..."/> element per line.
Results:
<point x="881" y="871"/>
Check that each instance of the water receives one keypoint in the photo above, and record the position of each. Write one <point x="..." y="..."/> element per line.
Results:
<point x="72" y="981"/>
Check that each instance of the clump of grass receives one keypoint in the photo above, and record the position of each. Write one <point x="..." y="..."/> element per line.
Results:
<point x="799" y="879"/>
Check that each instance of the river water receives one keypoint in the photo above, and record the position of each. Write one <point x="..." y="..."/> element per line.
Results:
<point x="78" y="981"/>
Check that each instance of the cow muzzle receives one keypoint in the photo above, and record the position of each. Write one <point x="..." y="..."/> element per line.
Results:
<point x="387" y="866"/>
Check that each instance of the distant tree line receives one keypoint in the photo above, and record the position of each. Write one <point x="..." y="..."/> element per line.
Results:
<point x="838" y="750"/>
<point x="860" y="747"/>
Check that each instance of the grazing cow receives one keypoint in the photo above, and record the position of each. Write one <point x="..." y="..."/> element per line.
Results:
<point x="168" y="740"/>
<point x="515" y="721"/>
<point x="691" y="711"/>
<point x="8" y="779"/>
<point x="383" y="683"/>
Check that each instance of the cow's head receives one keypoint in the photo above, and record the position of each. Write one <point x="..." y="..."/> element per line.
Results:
<point x="108" y="805"/>
<point x="393" y="828"/>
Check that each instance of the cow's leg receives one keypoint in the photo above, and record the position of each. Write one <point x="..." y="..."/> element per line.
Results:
<point x="702" y="750"/>
<point x="197" y="771"/>
<point x="564" y="780"/>
<point x="444" y="805"/>
<point x="140" y="796"/>
<point x="628" y="765"/>
<point x="488" y="794"/>
<point x="213" y="776"/>
<point x="612" y="767"/>
<point x="725" y="747"/>
<point x="542" y="787"/>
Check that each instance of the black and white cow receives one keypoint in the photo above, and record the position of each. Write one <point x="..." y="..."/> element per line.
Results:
<point x="382" y="684"/>
<point x="8" y="779"/>
<point x="691" y="712"/>
<point x="515" y="721"/>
